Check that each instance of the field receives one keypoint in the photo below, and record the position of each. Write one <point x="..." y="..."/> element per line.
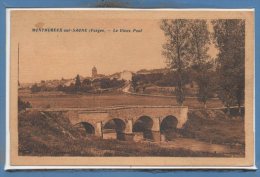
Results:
<point x="57" y="100"/>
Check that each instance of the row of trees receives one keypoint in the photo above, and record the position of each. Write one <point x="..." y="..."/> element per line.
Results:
<point x="186" y="48"/>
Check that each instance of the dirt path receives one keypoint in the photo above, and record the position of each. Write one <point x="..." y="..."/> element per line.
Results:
<point x="196" y="145"/>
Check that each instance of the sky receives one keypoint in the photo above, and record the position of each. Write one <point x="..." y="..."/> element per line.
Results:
<point x="56" y="55"/>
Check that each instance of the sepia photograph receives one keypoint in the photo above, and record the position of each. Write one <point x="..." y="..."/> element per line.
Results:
<point x="131" y="87"/>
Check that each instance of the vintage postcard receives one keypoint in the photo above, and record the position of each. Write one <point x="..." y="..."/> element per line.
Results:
<point x="130" y="88"/>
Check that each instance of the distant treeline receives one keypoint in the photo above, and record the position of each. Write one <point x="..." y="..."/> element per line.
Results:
<point x="86" y="85"/>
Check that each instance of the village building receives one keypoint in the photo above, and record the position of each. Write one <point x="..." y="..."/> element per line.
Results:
<point x="95" y="73"/>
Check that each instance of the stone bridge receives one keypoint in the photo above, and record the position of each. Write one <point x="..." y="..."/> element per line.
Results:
<point x="127" y="121"/>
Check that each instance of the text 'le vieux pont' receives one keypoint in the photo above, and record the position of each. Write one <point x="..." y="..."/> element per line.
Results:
<point x="89" y="30"/>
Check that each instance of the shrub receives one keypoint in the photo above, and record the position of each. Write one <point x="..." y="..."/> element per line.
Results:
<point x="23" y="105"/>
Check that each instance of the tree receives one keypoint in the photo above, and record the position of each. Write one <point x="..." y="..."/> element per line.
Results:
<point x="86" y="82"/>
<point x="23" y="105"/>
<point x="86" y="85"/>
<point x="229" y="37"/>
<point x="60" y="87"/>
<point x="204" y="79"/>
<point x="77" y="84"/>
<point x="134" y="82"/>
<point x="176" y="51"/>
<point x="35" y="88"/>
<point x="202" y="66"/>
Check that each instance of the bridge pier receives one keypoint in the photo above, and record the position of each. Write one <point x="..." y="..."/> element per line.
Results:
<point x="129" y="126"/>
<point x="156" y="136"/>
<point x="156" y="133"/>
<point x="98" y="129"/>
<point x="128" y="135"/>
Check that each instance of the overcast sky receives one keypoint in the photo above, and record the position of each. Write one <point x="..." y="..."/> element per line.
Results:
<point x="45" y="56"/>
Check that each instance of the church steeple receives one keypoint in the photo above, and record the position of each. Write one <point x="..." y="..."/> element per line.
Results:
<point x="94" y="72"/>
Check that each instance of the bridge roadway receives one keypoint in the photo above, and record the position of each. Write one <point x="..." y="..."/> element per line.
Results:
<point x="126" y="120"/>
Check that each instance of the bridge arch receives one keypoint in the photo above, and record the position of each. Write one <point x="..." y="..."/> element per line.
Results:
<point x="144" y="125"/>
<point x="90" y="129"/>
<point x="168" y="127"/>
<point x="115" y="125"/>
<point x="87" y="127"/>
